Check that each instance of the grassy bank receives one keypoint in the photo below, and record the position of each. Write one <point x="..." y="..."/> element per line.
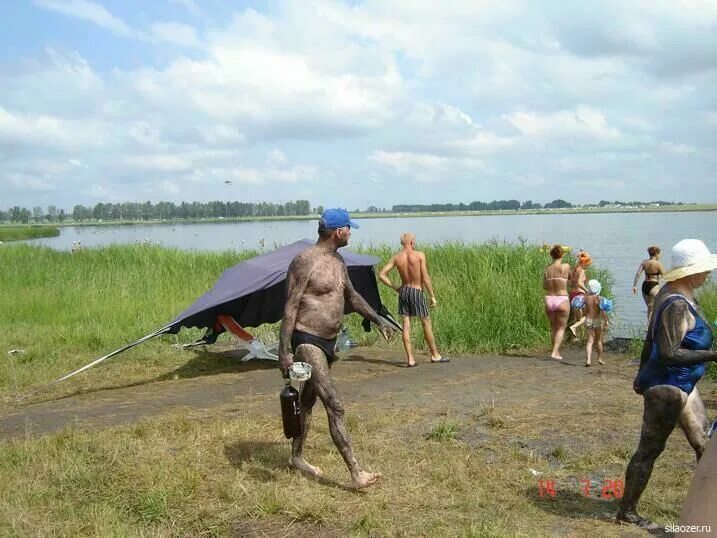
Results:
<point x="64" y="309"/>
<point x="17" y="233"/>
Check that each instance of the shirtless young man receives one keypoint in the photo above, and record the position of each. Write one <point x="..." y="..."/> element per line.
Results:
<point x="411" y="265"/>
<point x="318" y="284"/>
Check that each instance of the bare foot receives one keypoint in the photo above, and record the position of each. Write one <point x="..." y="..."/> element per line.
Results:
<point x="364" y="480"/>
<point x="301" y="465"/>
<point x="556" y="357"/>
<point x="600" y="361"/>
<point x="574" y="330"/>
<point x="587" y="363"/>
<point x="633" y="518"/>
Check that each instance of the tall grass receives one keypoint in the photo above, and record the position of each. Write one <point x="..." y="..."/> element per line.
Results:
<point x="490" y="296"/>
<point x="708" y="300"/>
<point x="16" y="233"/>
<point x="65" y="309"/>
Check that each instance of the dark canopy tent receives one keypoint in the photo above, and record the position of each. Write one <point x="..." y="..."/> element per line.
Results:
<point x="253" y="292"/>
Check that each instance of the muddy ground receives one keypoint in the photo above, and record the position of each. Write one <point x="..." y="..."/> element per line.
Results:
<point x="524" y="387"/>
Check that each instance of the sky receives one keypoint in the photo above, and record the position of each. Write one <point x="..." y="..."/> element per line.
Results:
<point x="357" y="103"/>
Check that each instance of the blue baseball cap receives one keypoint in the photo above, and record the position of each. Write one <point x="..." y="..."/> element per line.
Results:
<point x="335" y="218"/>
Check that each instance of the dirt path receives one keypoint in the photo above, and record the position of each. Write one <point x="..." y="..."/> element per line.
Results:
<point x="528" y="388"/>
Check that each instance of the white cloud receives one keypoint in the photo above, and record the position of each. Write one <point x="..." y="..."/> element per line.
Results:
<point x="582" y="121"/>
<point x="175" y="32"/>
<point x="41" y="130"/>
<point x="529" y="96"/>
<point x="189" y="5"/>
<point x="425" y="167"/>
<point x="678" y="149"/>
<point x="89" y="11"/>
<point x="276" y="157"/>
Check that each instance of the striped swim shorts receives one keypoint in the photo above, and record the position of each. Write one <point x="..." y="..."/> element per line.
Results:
<point x="412" y="302"/>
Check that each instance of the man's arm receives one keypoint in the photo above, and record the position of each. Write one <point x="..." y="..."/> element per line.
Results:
<point x="426" y="280"/>
<point x="360" y="305"/>
<point x="297" y="278"/>
<point x="383" y="274"/>
<point x="674" y="325"/>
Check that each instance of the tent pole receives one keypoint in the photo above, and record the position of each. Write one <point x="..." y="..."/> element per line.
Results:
<point x="94" y="362"/>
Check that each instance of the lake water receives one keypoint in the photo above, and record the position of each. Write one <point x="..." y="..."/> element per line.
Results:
<point x="617" y="241"/>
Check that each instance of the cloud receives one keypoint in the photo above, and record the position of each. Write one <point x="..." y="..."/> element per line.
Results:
<point x="41" y="130"/>
<point x="526" y="98"/>
<point x="189" y="5"/>
<point x="89" y="11"/>
<point x="425" y="167"/>
<point x="582" y="121"/>
<point x="175" y="32"/>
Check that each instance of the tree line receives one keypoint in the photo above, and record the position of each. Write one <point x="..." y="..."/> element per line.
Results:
<point x="515" y="205"/>
<point x="145" y="211"/>
<point x="138" y="211"/>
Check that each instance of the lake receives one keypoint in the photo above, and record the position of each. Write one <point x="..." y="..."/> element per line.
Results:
<point x="617" y="241"/>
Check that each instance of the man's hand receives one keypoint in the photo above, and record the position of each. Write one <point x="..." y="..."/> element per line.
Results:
<point x="433" y="302"/>
<point x="285" y="362"/>
<point x="386" y="329"/>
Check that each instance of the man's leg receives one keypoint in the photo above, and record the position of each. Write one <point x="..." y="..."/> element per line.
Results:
<point x="325" y="390"/>
<point x="430" y="340"/>
<point x="308" y="399"/>
<point x="693" y="421"/>
<point x="406" y="336"/>
<point x="663" y="405"/>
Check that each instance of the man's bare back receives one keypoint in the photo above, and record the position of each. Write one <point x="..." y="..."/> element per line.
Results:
<point x="409" y="264"/>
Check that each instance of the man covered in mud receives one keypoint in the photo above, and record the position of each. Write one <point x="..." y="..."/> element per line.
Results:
<point x="318" y="284"/>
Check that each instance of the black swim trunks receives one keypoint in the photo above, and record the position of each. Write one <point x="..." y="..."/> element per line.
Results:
<point x="324" y="344"/>
<point x="412" y="302"/>
<point x="647" y="286"/>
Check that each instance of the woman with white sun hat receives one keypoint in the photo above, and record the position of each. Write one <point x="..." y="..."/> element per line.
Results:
<point x="677" y="345"/>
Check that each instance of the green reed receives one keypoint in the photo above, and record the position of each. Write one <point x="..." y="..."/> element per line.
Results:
<point x="490" y="296"/>
<point x="17" y="233"/>
<point x="64" y="309"/>
<point x="708" y="300"/>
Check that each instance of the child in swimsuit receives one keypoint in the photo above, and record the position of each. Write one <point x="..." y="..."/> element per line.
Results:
<point x="578" y="277"/>
<point x="595" y="320"/>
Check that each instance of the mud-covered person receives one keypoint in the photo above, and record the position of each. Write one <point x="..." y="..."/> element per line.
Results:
<point x="677" y="346"/>
<point x="318" y="284"/>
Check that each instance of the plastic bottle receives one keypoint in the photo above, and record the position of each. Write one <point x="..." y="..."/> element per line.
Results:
<point x="713" y="429"/>
<point x="343" y="342"/>
<point x="290" y="411"/>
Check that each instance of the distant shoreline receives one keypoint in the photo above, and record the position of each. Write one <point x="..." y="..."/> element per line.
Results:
<point x="421" y="214"/>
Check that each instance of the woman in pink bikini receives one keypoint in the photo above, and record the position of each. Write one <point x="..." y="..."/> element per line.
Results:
<point x="557" y="304"/>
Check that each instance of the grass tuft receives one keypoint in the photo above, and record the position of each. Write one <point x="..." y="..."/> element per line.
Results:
<point x="444" y="432"/>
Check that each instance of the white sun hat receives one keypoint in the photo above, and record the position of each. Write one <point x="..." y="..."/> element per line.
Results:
<point x="595" y="287"/>
<point x="690" y="257"/>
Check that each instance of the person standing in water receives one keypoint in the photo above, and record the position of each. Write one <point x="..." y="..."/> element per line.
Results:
<point x="411" y="266"/>
<point x="651" y="285"/>
<point x="318" y="286"/>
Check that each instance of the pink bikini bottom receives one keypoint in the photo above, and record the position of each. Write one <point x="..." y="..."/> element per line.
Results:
<point x="553" y="302"/>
